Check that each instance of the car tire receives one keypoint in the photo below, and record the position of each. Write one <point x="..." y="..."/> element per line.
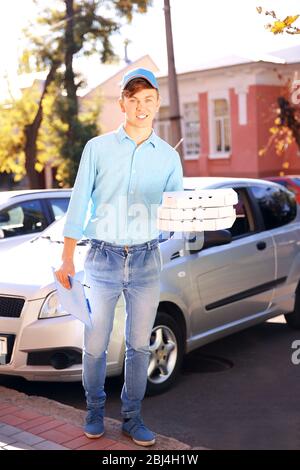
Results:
<point x="293" y="318"/>
<point x="167" y="350"/>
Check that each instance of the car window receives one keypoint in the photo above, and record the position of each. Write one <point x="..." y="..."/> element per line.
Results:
<point x="278" y="207"/>
<point x="282" y="182"/>
<point x="59" y="206"/>
<point x="22" y="218"/>
<point x="243" y="224"/>
<point x="286" y="184"/>
<point x="296" y="181"/>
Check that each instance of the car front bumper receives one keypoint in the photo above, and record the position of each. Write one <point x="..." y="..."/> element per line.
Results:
<point x="38" y="349"/>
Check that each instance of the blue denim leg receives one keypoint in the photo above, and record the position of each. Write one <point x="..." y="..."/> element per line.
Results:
<point x="109" y="271"/>
<point x="142" y="299"/>
<point x="103" y="299"/>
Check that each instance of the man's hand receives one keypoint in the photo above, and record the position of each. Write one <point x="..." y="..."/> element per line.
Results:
<point x="67" y="268"/>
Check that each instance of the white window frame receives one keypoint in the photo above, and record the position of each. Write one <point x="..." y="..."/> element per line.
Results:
<point x="212" y="96"/>
<point x="242" y="108"/>
<point x="193" y="156"/>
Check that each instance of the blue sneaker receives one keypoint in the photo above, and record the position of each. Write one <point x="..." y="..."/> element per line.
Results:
<point x="94" y="423"/>
<point x="135" y="428"/>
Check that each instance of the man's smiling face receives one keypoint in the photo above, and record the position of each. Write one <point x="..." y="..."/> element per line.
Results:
<point x="140" y="108"/>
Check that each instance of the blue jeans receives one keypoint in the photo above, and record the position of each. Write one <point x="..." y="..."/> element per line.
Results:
<point x="110" y="271"/>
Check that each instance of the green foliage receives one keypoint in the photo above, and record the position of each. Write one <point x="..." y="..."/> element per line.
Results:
<point x="14" y="116"/>
<point x="56" y="38"/>
<point x="280" y="26"/>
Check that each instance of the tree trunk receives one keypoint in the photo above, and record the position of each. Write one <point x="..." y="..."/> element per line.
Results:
<point x="71" y="88"/>
<point x="31" y="133"/>
<point x="175" y="117"/>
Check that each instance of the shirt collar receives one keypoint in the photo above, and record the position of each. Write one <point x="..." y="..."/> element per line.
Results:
<point x="122" y="134"/>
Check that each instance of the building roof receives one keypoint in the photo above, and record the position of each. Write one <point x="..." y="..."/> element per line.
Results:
<point x="114" y="73"/>
<point x="283" y="56"/>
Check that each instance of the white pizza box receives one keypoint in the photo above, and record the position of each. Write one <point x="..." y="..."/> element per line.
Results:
<point x="199" y="213"/>
<point x="219" y="224"/>
<point x="179" y="200"/>
<point x="200" y="198"/>
<point x="217" y="197"/>
<point x="218" y="212"/>
<point x="195" y="225"/>
<point x="180" y="225"/>
<point x="179" y="214"/>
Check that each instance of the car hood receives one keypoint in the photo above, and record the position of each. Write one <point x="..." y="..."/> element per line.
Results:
<point x="26" y="269"/>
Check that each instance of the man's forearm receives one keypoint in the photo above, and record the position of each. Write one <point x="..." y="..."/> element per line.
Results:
<point x="69" y="248"/>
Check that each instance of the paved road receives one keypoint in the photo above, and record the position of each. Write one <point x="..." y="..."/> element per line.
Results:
<point x="246" y="398"/>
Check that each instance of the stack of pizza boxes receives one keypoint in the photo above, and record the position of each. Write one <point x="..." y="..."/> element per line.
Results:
<point x="198" y="210"/>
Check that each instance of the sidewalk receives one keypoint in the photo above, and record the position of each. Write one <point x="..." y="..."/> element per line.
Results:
<point x="36" y="423"/>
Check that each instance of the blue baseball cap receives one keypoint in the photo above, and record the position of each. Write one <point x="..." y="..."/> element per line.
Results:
<point x="139" y="73"/>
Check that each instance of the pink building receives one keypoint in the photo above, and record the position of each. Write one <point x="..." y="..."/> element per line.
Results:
<point x="227" y="109"/>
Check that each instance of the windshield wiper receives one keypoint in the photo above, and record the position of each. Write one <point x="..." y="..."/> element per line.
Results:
<point x="37" y="237"/>
<point x="46" y="237"/>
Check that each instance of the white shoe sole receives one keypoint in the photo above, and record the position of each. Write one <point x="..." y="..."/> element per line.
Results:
<point x="144" y="443"/>
<point x="140" y="443"/>
<point x="93" y="436"/>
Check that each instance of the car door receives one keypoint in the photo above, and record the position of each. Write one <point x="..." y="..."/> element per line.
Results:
<point x="279" y="209"/>
<point x="233" y="281"/>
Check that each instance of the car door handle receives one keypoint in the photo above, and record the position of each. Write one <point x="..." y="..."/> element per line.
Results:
<point x="261" y="245"/>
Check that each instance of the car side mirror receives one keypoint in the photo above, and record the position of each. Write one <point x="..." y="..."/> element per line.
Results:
<point x="201" y="240"/>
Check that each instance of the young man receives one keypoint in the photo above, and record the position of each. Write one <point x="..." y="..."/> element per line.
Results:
<point x="124" y="173"/>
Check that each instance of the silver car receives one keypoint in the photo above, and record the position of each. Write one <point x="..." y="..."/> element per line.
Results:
<point x="238" y="278"/>
<point x="24" y="213"/>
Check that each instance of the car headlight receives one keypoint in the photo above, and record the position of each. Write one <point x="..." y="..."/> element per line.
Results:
<point x="51" y="308"/>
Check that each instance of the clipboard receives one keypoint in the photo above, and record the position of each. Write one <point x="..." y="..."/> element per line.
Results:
<point x="74" y="300"/>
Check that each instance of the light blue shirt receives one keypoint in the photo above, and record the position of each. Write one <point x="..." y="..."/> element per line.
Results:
<point x="119" y="186"/>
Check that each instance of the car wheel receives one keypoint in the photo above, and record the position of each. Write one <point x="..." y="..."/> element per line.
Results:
<point x="293" y="319"/>
<point x="167" y="349"/>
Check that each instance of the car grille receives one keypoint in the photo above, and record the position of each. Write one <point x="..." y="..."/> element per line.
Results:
<point x="11" y="307"/>
<point x="10" y="346"/>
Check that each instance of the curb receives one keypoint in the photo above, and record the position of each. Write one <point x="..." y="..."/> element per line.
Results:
<point x="66" y="414"/>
